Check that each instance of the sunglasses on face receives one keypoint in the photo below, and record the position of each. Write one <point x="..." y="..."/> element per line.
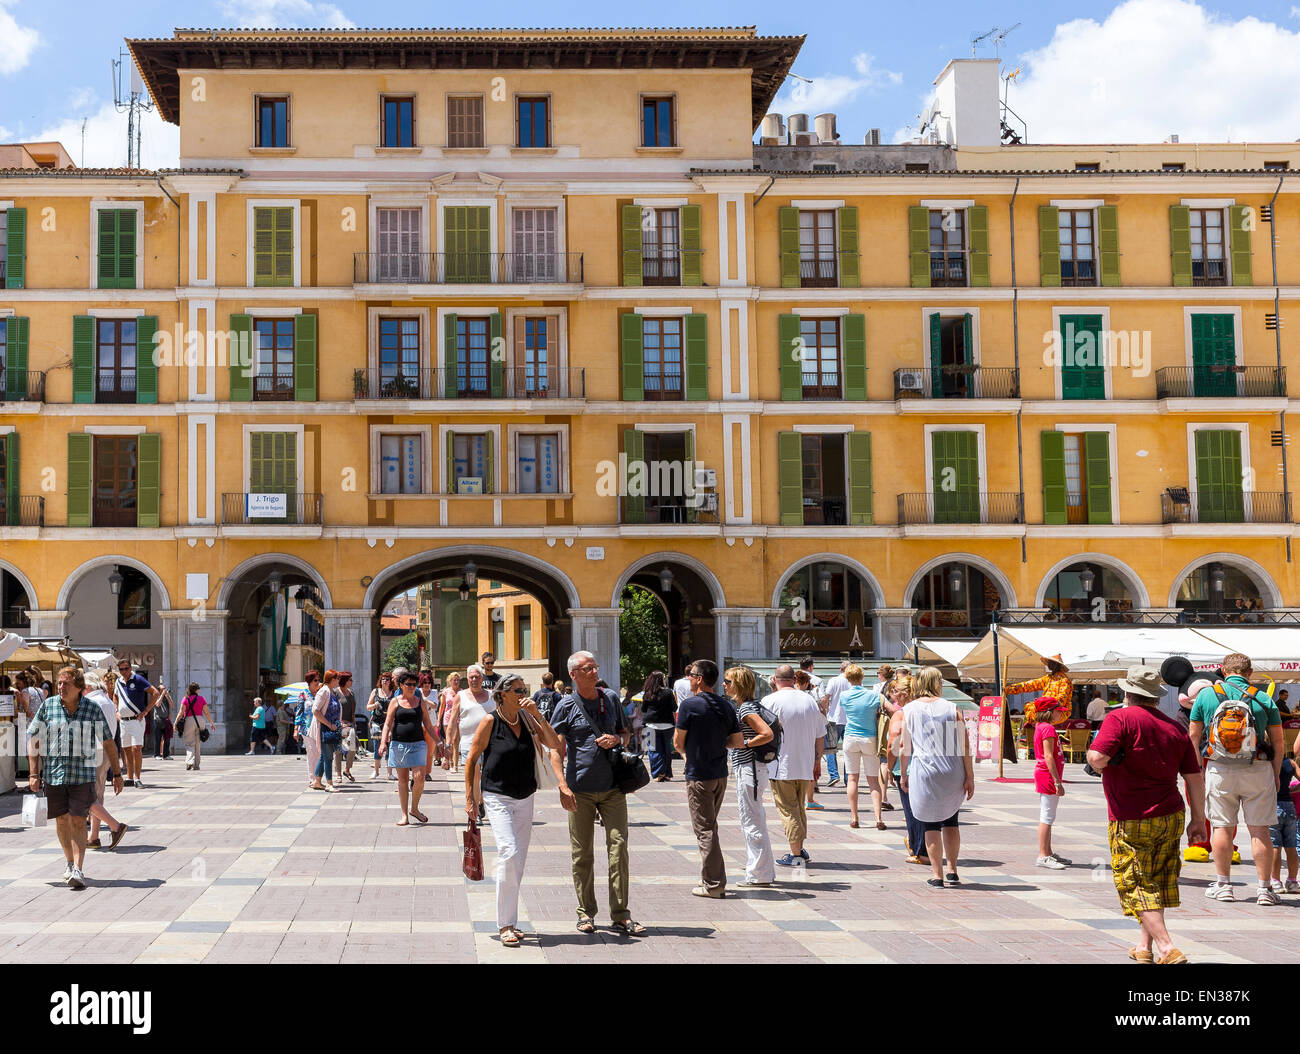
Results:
<point x="726" y="680"/>
<point x="410" y="684"/>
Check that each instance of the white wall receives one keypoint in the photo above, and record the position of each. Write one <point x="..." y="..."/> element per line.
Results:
<point x="92" y="622"/>
<point x="966" y="94"/>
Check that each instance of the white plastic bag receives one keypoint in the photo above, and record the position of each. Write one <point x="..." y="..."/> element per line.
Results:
<point x="36" y="810"/>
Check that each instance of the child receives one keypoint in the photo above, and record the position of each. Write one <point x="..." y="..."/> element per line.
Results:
<point x="1284" y="834"/>
<point x="1048" y="772"/>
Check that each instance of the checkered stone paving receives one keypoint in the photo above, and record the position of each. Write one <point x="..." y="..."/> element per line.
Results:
<point x="240" y="863"/>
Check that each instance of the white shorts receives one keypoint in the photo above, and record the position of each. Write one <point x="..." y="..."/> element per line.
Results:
<point x="1047" y="804"/>
<point x="1248" y="788"/>
<point x="859" y="751"/>
<point x="133" y="733"/>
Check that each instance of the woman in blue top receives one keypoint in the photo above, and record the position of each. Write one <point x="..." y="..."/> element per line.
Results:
<point x="861" y="740"/>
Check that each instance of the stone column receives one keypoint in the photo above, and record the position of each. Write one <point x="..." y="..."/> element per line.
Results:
<point x="596" y="630"/>
<point x="893" y="628"/>
<point x="348" y="642"/>
<point x="194" y="649"/>
<point x="747" y="633"/>
<point x="47" y="625"/>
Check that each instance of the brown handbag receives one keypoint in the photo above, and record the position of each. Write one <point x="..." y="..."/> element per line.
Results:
<point x="472" y="857"/>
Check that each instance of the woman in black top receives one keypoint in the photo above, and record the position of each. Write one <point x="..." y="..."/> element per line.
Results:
<point x="659" y="705"/>
<point x="405" y="729"/>
<point x="504" y="744"/>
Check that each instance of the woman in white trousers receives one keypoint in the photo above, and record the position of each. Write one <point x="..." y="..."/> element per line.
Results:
<point x="741" y="686"/>
<point x="506" y="744"/>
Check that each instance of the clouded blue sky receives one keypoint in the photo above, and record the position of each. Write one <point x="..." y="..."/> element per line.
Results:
<point x="1090" y="71"/>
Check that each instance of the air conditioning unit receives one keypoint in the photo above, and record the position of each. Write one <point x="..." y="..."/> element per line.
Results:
<point x="911" y="381"/>
<point x="708" y="503"/>
<point x="706" y="478"/>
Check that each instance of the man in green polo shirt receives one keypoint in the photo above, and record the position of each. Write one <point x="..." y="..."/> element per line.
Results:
<point x="66" y="736"/>
<point x="1244" y="781"/>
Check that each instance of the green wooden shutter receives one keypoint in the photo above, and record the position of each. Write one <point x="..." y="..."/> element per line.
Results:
<point x="848" y="246"/>
<point x="1239" y="243"/>
<point x="697" y="356"/>
<point x="1054" y="495"/>
<point x="789" y="245"/>
<point x="15" y="361"/>
<point x="790" y="477"/>
<point x="631" y="244"/>
<point x="1219" y="496"/>
<point x="489" y="475"/>
<point x="1108" y="243"/>
<point x="791" y="358"/>
<point x="256" y="461"/>
<point x="936" y="355"/>
<point x="859" y="457"/>
<point x="16" y="249"/>
<point x="1214" y="352"/>
<point x="13" y="500"/>
<point x="304" y="358"/>
<point x="977" y="221"/>
<point x="918" y="244"/>
<point x="959" y="452"/>
<point x="273" y="248"/>
<point x="688" y="466"/>
<point x="1180" y="244"/>
<point x="241" y="376"/>
<point x="146" y="367"/>
<point x="1083" y="370"/>
<point x="633" y="355"/>
<point x="284" y="247"/>
<point x="1096" y="458"/>
<point x="467" y="243"/>
<point x="79" y="454"/>
<point x="1049" y="245"/>
<point x="115" y="262"/>
<point x="496" y="357"/>
<point x="148" y="479"/>
<point x="83" y="359"/>
<point x="450" y="376"/>
<point x="449" y="484"/>
<point x="273" y="469"/>
<point x="691" y="246"/>
<point x="634" y="452"/>
<point x="855" y="357"/>
<point x="106" y="249"/>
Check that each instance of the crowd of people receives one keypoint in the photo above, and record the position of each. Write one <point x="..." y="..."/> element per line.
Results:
<point x="896" y="733"/>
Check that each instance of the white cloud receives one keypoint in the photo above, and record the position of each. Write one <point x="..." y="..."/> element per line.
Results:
<point x="19" y="41"/>
<point x="1156" y="67"/>
<point x="106" y="139"/>
<point x="831" y="90"/>
<point x="285" y="14"/>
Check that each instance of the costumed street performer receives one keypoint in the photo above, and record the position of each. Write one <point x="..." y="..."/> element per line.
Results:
<point x="1056" y="694"/>
<point x="1177" y="672"/>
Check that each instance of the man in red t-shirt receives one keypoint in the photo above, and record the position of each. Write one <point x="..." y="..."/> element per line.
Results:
<point x="1140" y="754"/>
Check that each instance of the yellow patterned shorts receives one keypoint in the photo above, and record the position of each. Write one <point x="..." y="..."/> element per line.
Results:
<point x="1146" y="862"/>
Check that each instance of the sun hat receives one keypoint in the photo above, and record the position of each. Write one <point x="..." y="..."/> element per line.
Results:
<point x="1142" y="680"/>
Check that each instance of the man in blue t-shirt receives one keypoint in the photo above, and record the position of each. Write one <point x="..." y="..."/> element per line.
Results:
<point x="706" y="726"/>
<point x="1239" y="783"/>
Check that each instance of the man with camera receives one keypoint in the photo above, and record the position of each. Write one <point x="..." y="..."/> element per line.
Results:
<point x="1140" y="753"/>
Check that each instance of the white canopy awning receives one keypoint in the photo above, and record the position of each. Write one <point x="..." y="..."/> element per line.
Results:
<point x="1272" y="649"/>
<point x="945" y="651"/>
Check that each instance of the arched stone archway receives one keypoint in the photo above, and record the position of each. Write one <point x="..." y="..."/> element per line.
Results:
<point x="1137" y="588"/>
<point x="841" y="599"/>
<point x="15" y="582"/>
<point x="695" y="604"/>
<point x="1247" y="589"/>
<point x="1006" y="591"/>
<point x="130" y="623"/>
<point x="954" y="595"/>
<point x="231" y="582"/>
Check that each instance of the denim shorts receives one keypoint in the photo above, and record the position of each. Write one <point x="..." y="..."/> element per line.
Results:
<point x="1285" y="832"/>
<point x="408" y="755"/>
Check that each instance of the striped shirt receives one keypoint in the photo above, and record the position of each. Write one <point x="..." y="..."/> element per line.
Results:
<point x="743" y="758"/>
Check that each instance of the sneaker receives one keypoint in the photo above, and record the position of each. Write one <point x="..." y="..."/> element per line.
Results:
<point x="1050" y="862"/>
<point x="76" y="880"/>
<point x="806" y="858"/>
<point x="814" y="805"/>
<point x="790" y="860"/>
<point x="1062" y="859"/>
<point x="1292" y="886"/>
<point x="753" y="885"/>
<point x="1266" y="897"/>
<point x="1217" y="891"/>
<point x="67" y="872"/>
<point x="834" y="781"/>
<point x="1276" y="886"/>
<point x="139" y="784"/>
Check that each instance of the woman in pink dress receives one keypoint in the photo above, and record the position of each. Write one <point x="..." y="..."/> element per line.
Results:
<point x="446" y="711"/>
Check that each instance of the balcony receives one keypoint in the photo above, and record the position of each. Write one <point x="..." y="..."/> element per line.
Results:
<point x="28" y="511"/>
<point x="1206" y="382"/>
<point x="467" y="268"/>
<point x="21" y="386"/>
<point x="119" y="510"/>
<point x="948" y="270"/>
<point x="999" y="507"/>
<point x="273" y="388"/>
<point x="265" y="509"/>
<point x="518" y="382"/>
<point x="821" y="272"/>
<point x="957" y="382"/>
<point x="115" y="385"/>
<point x="1224" y="505"/>
<point x="824" y="511"/>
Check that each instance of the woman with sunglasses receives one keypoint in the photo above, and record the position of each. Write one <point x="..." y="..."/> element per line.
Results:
<point x="377" y="707"/>
<point x="406" y="734"/>
<point x="741" y="687"/>
<point x="503" y="744"/>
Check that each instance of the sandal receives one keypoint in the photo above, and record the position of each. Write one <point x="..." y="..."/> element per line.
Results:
<point x="853" y="824"/>
<point x="586" y="925"/>
<point x="886" y="806"/>
<point x="630" y="928"/>
<point x="509" y="938"/>
<point x="420" y="816"/>
<point x="880" y="825"/>
<point x="349" y="777"/>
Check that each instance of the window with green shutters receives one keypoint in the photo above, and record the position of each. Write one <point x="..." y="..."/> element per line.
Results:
<point x="952" y="356"/>
<point x="1214" y="355"/>
<point x="824" y="478"/>
<point x="273" y="468"/>
<point x="1076" y="477"/>
<point x="1083" y="369"/>
<point x="13" y="359"/>
<point x="9" y="488"/>
<point x="116" y="246"/>
<point x="13" y="248"/>
<point x="467" y="243"/>
<point x="273" y="246"/>
<point x="114" y="481"/>
<point x="956" y="478"/>
<point x="1219" y="494"/>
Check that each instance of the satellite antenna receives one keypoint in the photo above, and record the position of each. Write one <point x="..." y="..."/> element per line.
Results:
<point x="133" y="104"/>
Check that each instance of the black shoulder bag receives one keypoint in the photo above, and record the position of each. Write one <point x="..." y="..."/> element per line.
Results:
<point x="630" y="772"/>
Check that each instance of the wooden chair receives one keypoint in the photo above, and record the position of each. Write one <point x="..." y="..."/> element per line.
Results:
<point x="1076" y="742"/>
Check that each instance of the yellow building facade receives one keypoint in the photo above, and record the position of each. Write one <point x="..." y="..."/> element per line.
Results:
<point x="527" y="300"/>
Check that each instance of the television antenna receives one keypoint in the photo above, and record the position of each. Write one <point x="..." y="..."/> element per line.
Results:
<point x="134" y="104"/>
<point x="997" y="35"/>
